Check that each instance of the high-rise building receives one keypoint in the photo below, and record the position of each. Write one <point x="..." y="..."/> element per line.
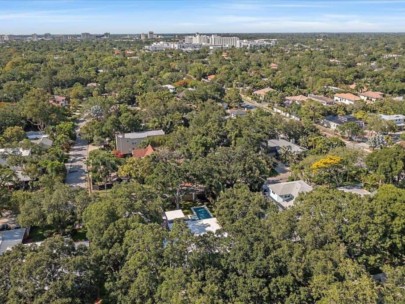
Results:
<point x="143" y="36"/>
<point x="224" y="41"/>
<point x="34" y="37"/>
<point x="86" y="36"/>
<point x="201" y="39"/>
<point x="151" y="35"/>
<point x="188" y="39"/>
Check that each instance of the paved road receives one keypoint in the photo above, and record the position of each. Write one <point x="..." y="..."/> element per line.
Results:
<point x="76" y="167"/>
<point x="350" y="144"/>
<point x="328" y="133"/>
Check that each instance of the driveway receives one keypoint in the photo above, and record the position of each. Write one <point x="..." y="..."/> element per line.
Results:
<point x="284" y="173"/>
<point x="76" y="166"/>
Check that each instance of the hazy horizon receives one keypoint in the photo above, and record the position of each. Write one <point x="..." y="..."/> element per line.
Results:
<point x="189" y="16"/>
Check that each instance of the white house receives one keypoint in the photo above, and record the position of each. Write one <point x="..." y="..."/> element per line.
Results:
<point x="171" y="216"/>
<point x="15" y="151"/>
<point x="371" y="96"/>
<point x="284" y="194"/>
<point x="172" y="89"/>
<point x="326" y="101"/>
<point x="346" y="98"/>
<point x="398" y="119"/>
<point x="276" y="145"/>
<point x="333" y="122"/>
<point x="233" y="113"/>
<point x="126" y="142"/>
<point x="200" y="223"/>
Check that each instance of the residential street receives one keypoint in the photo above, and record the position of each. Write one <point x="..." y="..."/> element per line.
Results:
<point x="350" y="144"/>
<point x="76" y="167"/>
<point x="328" y="133"/>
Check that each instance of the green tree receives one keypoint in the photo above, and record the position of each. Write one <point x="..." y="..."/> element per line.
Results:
<point x="38" y="111"/>
<point x="54" y="272"/>
<point x="59" y="208"/>
<point x="102" y="164"/>
<point x="350" y="129"/>
<point x="137" y="169"/>
<point x="389" y="163"/>
<point x="233" y="98"/>
<point x="7" y="177"/>
<point x="14" y="134"/>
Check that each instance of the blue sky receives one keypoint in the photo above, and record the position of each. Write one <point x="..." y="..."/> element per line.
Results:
<point x="187" y="16"/>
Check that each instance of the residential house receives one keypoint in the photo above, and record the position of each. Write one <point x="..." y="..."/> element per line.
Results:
<point x="333" y="122"/>
<point x="126" y="142"/>
<point x="233" y="113"/>
<point x="247" y="107"/>
<point x="274" y="66"/>
<point x="401" y="143"/>
<point x="11" y="238"/>
<point x="35" y="135"/>
<point x="326" y="101"/>
<point x="346" y="98"/>
<point x="284" y="194"/>
<point x="171" y="88"/>
<point x="275" y="146"/>
<point x="297" y="99"/>
<point x="5" y="152"/>
<point x="332" y="88"/>
<point x="40" y="138"/>
<point x="170" y="216"/>
<point x="200" y="223"/>
<point x="211" y="77"/>
<point x="20" y="176"/>
<point x="93" y="84"/>
<point x="371" y="96"/>
<point x="141" y="153"/>
<point x="398" y="119"/>
<point x="263" y="92"/>
<point x="59" y="101"/>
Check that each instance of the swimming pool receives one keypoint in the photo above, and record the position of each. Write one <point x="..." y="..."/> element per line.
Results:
<point x="202" y="212"/>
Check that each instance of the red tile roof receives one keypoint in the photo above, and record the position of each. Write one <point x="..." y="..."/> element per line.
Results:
<point x="298" y="98"/>
<point x="348" y="96"/>
<point x="263" y="92"/>
<point x="141" y="153"/>
<point x="373" y="95"/>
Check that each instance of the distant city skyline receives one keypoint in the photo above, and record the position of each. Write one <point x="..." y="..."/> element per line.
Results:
<point x="187" y="16"/>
